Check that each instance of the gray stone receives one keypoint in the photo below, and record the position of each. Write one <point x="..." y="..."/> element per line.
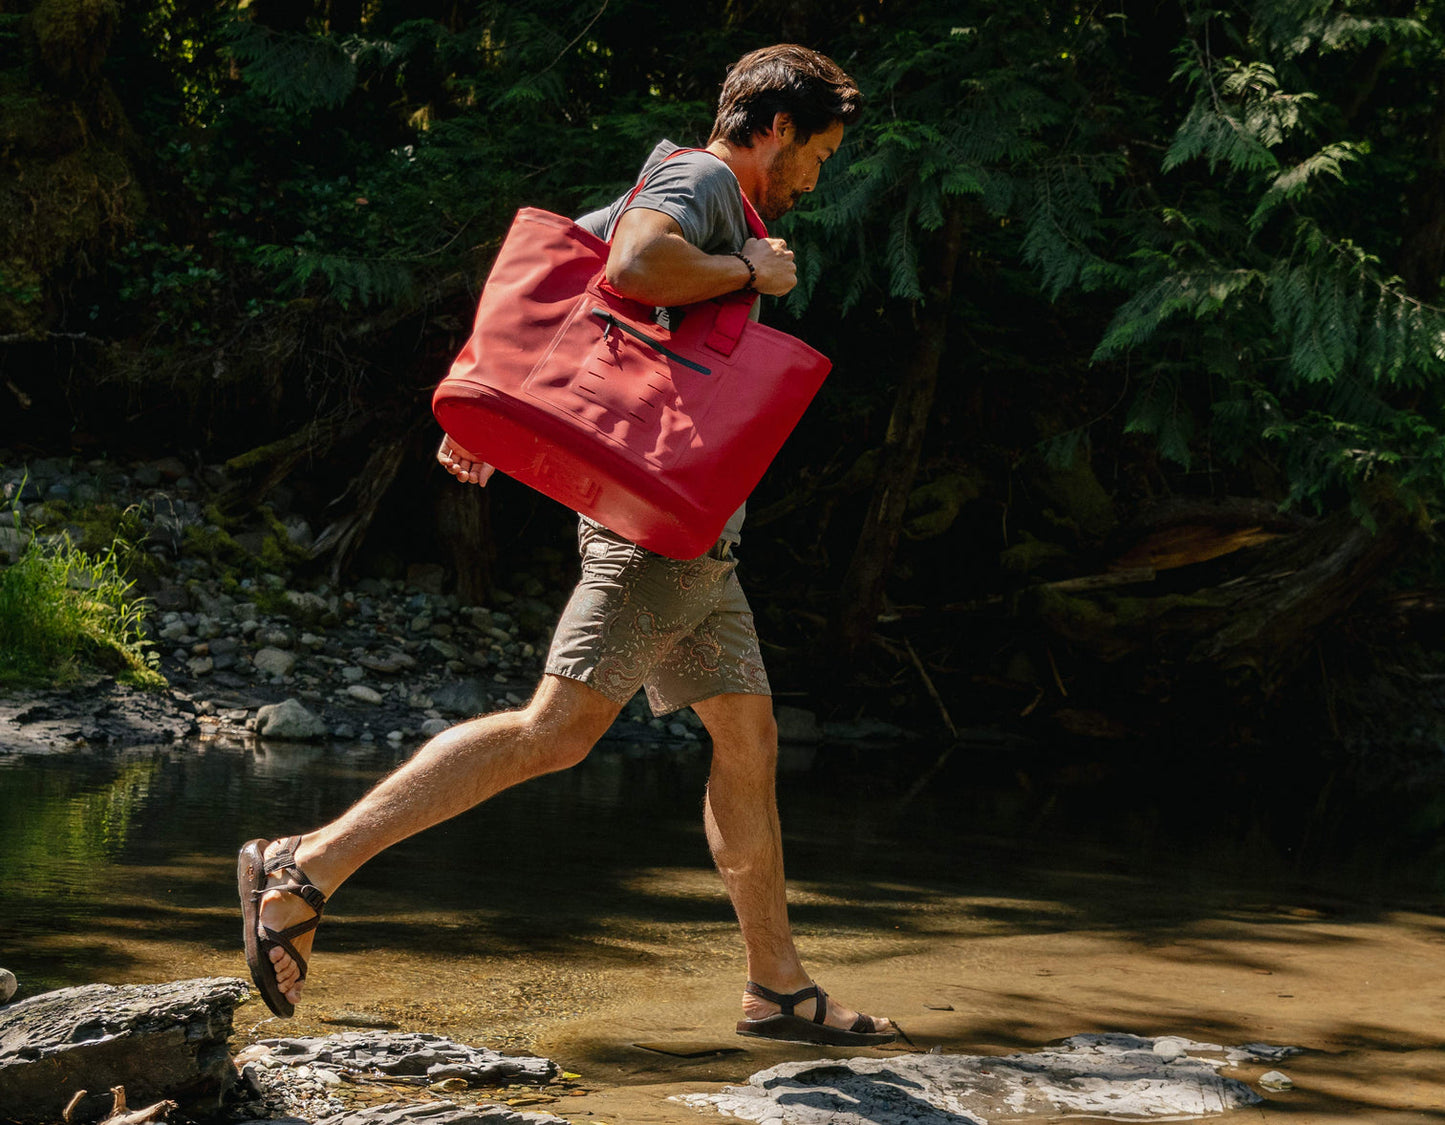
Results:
<point x="8" y="985"/>
<point x="224" y="652"/>
<point x="363" y="694"/>
<point x="159" y="1041"/>
<point x="290" y="721"/>
<point x="273" y="662"/>
<point x="12" y="543"/>
<point x="201" y="666"/>
<point x="1110" y="1075"/>
<point x="465" y="697"/>
<point x="387" y="663"/>
<point x="437" y="1113"/>
<point x="797" y="725"/>
<point x="433" y="727"/>
<point x="411" y="1054"/>
<point x="1276" y="1080"/>
<point x="298" y="531"/>
<point x="307" y="606"/>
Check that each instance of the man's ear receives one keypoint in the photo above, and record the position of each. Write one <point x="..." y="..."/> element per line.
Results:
<point x="782" y="125"/>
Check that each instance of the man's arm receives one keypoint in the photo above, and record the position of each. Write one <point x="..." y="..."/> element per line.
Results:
<point x="651" y="261"/>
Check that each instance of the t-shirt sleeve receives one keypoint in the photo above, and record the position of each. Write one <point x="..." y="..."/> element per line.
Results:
<point x="700" y="193"/>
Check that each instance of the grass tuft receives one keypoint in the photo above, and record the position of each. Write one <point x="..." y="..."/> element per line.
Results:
<point x="63" y="610"/>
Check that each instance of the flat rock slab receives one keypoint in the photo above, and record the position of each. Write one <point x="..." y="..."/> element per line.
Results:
<point x="1112" y="1075"/>
<point x="439" y="1113"/>
<point x="157" y="1040"/>
<point x="411" y="1054"/>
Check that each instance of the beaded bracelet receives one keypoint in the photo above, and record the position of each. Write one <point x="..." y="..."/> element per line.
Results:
<point x="752" y="273"/>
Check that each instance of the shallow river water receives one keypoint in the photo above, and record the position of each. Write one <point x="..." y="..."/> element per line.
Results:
<point x="1015" y="900"/>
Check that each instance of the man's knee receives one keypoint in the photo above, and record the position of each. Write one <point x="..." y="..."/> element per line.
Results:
<point x="750" y="732"/>
<point x="564" y="720"/>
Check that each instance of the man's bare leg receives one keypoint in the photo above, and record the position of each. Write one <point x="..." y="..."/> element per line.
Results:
<point x="459" y="768"/>
<point x="740" y="814"/>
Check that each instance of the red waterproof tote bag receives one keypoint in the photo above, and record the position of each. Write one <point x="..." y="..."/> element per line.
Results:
<point x="656" y="433"/>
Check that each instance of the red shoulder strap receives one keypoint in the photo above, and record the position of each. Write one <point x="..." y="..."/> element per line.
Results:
<point x="755" y="221"/>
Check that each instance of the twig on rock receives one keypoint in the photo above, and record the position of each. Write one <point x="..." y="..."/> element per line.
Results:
<point x="68" y="1114"/>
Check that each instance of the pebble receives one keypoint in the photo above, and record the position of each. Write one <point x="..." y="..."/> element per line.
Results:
<point x="8" y="985"/>
<point x="273" y="662"/>
<point x="364" y="694"/>
<point x="1276" y="1080"/>
<point x="1169" y="1049"/>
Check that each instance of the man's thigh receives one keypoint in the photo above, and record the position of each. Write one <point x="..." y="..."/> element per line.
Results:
<point x="636" y="615"/>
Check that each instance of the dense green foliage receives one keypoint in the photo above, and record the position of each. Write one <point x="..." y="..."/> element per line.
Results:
<point x="1202" y="246"/>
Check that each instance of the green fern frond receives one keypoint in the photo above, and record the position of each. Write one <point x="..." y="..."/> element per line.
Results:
<point x="297" y="71"/>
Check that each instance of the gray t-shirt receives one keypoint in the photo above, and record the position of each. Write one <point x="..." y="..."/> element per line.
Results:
<point x="701" y="194"/>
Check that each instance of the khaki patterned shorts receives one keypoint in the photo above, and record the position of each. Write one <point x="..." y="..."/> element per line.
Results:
<point x="681" y="629"/>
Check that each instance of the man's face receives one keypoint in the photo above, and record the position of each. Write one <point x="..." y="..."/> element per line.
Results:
<point x="794" y="169"/>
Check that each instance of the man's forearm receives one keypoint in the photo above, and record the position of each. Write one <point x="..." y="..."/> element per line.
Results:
<point x="669" y="270"/>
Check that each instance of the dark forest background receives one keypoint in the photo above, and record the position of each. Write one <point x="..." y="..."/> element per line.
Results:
<point x="1135" y="423"/>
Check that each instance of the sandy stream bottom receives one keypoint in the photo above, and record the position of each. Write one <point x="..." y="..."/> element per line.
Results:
<point x="1361" y="992"/>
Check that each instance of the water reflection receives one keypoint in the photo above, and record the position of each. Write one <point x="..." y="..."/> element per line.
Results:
<point x="99" y="851"/>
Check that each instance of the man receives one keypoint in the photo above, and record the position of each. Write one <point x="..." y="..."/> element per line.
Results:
<point x="681" y="629"/>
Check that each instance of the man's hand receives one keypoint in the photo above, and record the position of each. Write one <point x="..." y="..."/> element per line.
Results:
<point x="461" y="464"/>
<point x="773" y="261"/>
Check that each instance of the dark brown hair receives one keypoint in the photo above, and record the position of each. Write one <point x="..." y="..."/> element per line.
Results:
<point x="810" y="88"/>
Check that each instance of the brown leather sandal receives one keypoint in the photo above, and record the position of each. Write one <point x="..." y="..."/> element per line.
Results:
<point x="793" y="1028"/>
<point x="252" y="870"/>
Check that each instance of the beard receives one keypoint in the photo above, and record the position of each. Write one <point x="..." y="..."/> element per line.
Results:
<point x="778" y="196"/>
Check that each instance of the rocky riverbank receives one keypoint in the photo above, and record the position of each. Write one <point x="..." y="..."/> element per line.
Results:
<point x="239" y="623"/>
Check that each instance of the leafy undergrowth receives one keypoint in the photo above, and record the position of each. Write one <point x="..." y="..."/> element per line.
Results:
<point x="64" y="610"/>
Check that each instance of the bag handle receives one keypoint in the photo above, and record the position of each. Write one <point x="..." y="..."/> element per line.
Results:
<point x="734" y="310"/>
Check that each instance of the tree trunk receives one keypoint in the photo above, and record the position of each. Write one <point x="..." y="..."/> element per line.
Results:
<point x="861" y="596"/>
<point x="463" y="514"/>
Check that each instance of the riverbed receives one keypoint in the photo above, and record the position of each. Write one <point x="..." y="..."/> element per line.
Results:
<point x="1017" y="899"/>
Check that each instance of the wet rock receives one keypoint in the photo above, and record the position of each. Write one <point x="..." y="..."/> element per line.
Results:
<point x="273" y="638"/>
<point x="363" y="694"/>
<point x="201" y="666"/>
<point x="273" y="662"/>
<point x="290" y="721"/>
<point x="388" y="663"/>
<point x="465" y="697"/>
<point x="1110" y="1075"/>
<point x="433" y="727"/>
<point x="298" y="531"/>
<point x="1276" y="1080"/>
<point x="412" y="1054"/>
<point x="157" y="1040"/>
<point x="12" y="543"/>
<point x="8" y="985"/>
<point x="225" y="652"/>
<point x="438" y="1113"/>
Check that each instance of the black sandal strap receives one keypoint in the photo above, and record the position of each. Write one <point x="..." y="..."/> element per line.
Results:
<point x="788" y="1001"/>
<point x="301" y="885"/>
